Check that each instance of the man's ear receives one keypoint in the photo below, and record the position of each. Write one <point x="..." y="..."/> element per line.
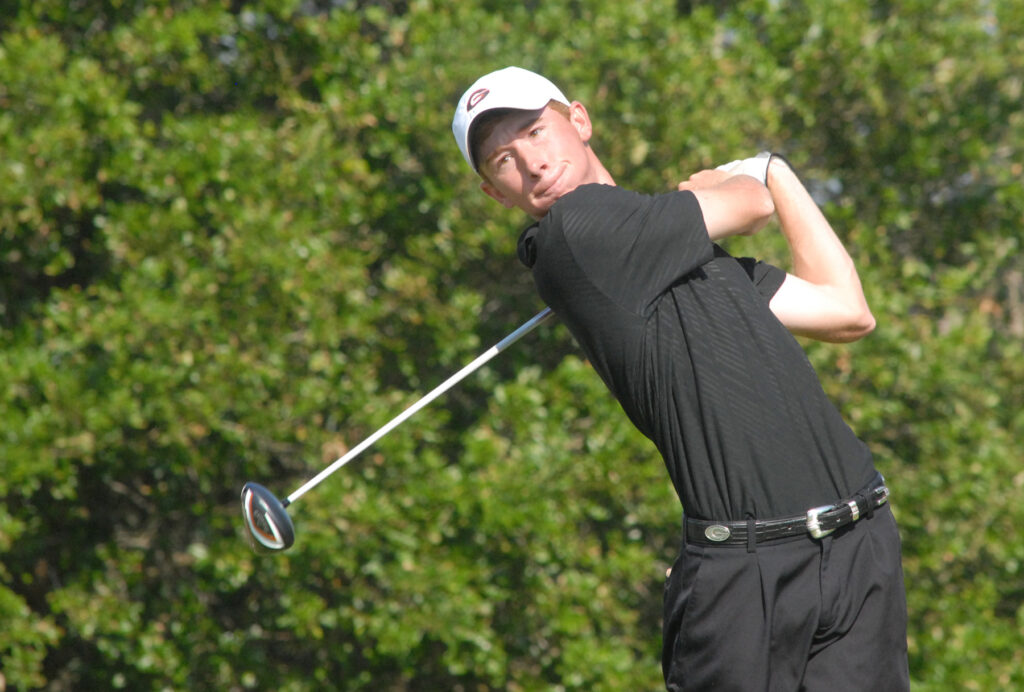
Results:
<point x="495" y="194"/>
<point x="580" y="119"/>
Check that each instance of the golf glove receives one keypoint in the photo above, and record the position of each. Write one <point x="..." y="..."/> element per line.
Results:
<point x="756" y="167"/>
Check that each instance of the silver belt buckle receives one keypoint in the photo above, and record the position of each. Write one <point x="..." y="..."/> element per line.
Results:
<point x="717" y="533"/>
<point x="813" y="525"/>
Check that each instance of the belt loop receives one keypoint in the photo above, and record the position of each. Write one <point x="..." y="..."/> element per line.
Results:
<point x="751" y="534"/>
<point x="870" y="494"/>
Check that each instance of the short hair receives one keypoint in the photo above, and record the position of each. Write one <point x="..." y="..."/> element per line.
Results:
<point x="484" y="126"/>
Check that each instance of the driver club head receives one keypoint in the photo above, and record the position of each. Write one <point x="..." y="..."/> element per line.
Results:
<point x="267" y="523"/>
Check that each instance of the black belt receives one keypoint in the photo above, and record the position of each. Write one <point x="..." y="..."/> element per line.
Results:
<point x="817" y="522"/>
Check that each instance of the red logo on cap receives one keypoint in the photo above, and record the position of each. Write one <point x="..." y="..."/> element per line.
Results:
<point x="475" y="98"/>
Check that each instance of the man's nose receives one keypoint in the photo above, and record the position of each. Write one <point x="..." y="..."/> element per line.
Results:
<point x="535" y="162"/>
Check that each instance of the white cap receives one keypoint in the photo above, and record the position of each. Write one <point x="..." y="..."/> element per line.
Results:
<point x="512" y="87"/>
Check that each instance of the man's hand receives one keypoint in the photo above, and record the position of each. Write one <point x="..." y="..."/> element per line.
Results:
<point x="756" y="167"/>
<point x="702" y="180"/>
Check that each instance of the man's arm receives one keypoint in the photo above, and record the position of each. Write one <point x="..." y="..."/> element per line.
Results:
<point x="822" y="297"/>
<point x="731" y="204"/>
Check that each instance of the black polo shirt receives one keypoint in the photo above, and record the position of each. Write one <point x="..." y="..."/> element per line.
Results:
<point x="682" y="335"/>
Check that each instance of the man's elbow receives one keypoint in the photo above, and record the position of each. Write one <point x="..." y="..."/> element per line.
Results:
<point x="857" y="327"/>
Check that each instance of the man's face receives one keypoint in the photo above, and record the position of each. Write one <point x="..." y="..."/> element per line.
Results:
<point x="532" y="158"/>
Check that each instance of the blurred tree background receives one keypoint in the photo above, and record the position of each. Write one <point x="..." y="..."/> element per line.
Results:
<point x="237" y="237"/>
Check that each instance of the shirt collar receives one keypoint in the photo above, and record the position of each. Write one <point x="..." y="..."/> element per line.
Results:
<point x="527" y="246"/>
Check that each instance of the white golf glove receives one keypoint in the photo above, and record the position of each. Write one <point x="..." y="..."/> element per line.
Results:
<point x="756" y="167"/>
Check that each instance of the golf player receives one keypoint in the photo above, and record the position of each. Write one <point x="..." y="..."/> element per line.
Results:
<point x="789" y="573"/>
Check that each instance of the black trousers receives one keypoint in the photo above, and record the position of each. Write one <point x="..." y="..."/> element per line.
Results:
<point x="798" y="614"/>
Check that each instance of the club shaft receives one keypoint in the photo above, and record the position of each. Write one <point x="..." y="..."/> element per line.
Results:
<point x="519" y="333"/>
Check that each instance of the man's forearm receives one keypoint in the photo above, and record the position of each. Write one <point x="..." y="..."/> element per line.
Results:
<point x="818" y="254"/>
<point x="819" y="259"/>
<point x="731" y="205"/>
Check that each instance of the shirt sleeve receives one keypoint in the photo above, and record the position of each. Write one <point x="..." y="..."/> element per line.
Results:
<point x="767" y="278"/>
<point x="635" y="247"/>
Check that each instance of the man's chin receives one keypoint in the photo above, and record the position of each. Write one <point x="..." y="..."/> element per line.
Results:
<point x="543" y="204"/>
<point x="540" y="209"/>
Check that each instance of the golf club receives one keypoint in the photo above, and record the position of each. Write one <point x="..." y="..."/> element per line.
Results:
<point x="266" y="518"/>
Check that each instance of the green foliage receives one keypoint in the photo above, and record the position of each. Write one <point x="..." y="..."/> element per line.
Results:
<point x="236" y="238"/>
